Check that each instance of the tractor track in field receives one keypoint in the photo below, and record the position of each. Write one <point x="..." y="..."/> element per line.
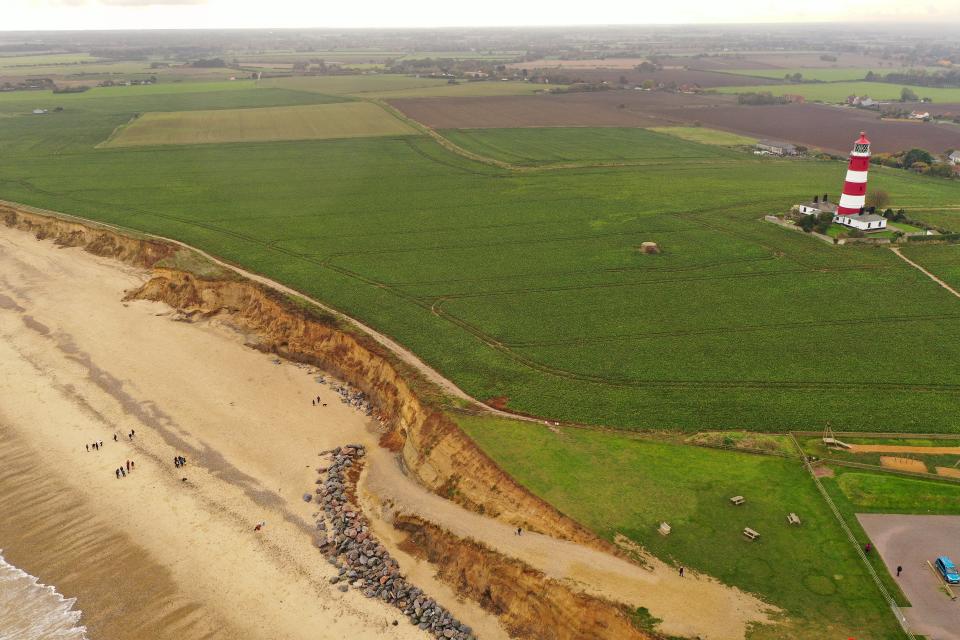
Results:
<point x="728" y="329"/>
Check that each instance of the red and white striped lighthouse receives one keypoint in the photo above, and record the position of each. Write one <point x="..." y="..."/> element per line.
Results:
<point x="855" y="187"/>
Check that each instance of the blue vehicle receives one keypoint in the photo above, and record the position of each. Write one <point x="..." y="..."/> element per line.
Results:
<point x="947" y="569"/>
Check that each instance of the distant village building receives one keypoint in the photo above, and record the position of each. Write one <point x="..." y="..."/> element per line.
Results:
<point x="919" y="115"/>
<point x="954" y="158"/>
<point x="863" y="101"/>
<point x="40" y="112"/>
<point x="851" y="211"/>
<point x="777" y="148"/>
<point x="795" y="98"/>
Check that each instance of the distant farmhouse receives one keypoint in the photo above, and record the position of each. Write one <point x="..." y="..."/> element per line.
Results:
<point x="954" y="158"/>
<point x="776" y="148"/>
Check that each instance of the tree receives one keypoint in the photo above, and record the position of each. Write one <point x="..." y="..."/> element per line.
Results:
<point x="908" y="95"/>
<point x="915" y="155"/>
<point x="878" y="198"/>
<point x="807" y="223"/>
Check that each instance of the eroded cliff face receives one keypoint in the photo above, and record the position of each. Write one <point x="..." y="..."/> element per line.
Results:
<point x="140" y="252"/>
<point x="530" y="605"/>
<point x="432" y="446"/>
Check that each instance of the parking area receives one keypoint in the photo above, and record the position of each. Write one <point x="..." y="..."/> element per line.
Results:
<point x="911" y="541"/>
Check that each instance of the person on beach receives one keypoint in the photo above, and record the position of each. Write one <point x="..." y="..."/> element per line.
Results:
<point x="128" y="466"/>
<point x="133" y="465"/>
<point x="114" y="437"/>
<point x="100" y="445"/>
<point x="259" y="525"/>
<point x="899" y="569"/>
<point x="88" y="448"/>
<point x="122" y="473"/>
<point x="313" y="403"/>
<point x="117" y="471"/>
<point x="681" y="572"/>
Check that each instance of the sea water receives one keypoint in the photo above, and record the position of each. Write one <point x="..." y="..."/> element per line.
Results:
<point x="33" y="611"/>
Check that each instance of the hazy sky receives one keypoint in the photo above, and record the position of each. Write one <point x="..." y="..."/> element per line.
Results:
<point x="170" y="14"/>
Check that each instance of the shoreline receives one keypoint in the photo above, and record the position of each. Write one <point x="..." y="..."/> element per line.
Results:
<point x="151" y="555"/>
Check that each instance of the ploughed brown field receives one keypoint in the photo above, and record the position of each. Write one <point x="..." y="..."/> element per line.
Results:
<point x="825" y="127"/>
<point x="705" y="79"/>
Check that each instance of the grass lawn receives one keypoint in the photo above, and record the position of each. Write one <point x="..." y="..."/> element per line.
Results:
<point x="615" y="484"/>
<point x="838" y="91"/>
<point x="529" y="285"/>
<point x="310" y="122"/>
<point x="705" y="135"/>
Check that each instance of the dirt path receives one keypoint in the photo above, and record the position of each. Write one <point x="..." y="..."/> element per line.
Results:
<point x="721" y="612"/>
<point x="896" y="448"/>
<point x="918" y="267"/>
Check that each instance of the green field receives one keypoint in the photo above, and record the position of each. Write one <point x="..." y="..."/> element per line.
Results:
<point x="310" y="122"/>
<point x="616" y="484"/>
<point x="704" y="135"/>
<point x="838" y="91"/>
<point x="37" y="60"/>
<point x="822" y="74"/>
<point x="943" y="260"/>
<point x="528" y="285"/>
<point x="533" y="147"/>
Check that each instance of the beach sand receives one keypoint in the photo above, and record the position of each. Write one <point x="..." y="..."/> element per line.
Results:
<point x="151" y="555"/>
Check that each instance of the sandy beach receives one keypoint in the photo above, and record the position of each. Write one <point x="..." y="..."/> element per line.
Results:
<point x="152" y="555"/>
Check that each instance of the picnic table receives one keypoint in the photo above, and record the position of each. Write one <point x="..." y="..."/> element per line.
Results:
<point x="738" y="500"/>
<point x="750" y="533"/>
<point x="792" y="518"/>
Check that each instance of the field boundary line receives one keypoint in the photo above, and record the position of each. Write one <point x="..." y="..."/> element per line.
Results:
<point x="880" y="434"/>
<point x="920" y="268"/>
<point x="853" y="539"/>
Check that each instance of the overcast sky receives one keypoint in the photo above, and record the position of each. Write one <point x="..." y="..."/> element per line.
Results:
<point x="172" y="14"/>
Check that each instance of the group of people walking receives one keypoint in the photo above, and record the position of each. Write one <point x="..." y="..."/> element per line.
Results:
<point x="95" y="446"/>
<point x="123" y="472"/>
<point x="179" y="461"/>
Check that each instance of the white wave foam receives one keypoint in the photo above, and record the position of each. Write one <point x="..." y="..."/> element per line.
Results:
<point x="34" y="611"/>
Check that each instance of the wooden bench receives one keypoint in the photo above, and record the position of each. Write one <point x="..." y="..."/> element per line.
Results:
<point x="750" y="533"/>
<point x="792" y="518"/>
<point x="664" y="529"/>
<point x="738" y="500"/>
